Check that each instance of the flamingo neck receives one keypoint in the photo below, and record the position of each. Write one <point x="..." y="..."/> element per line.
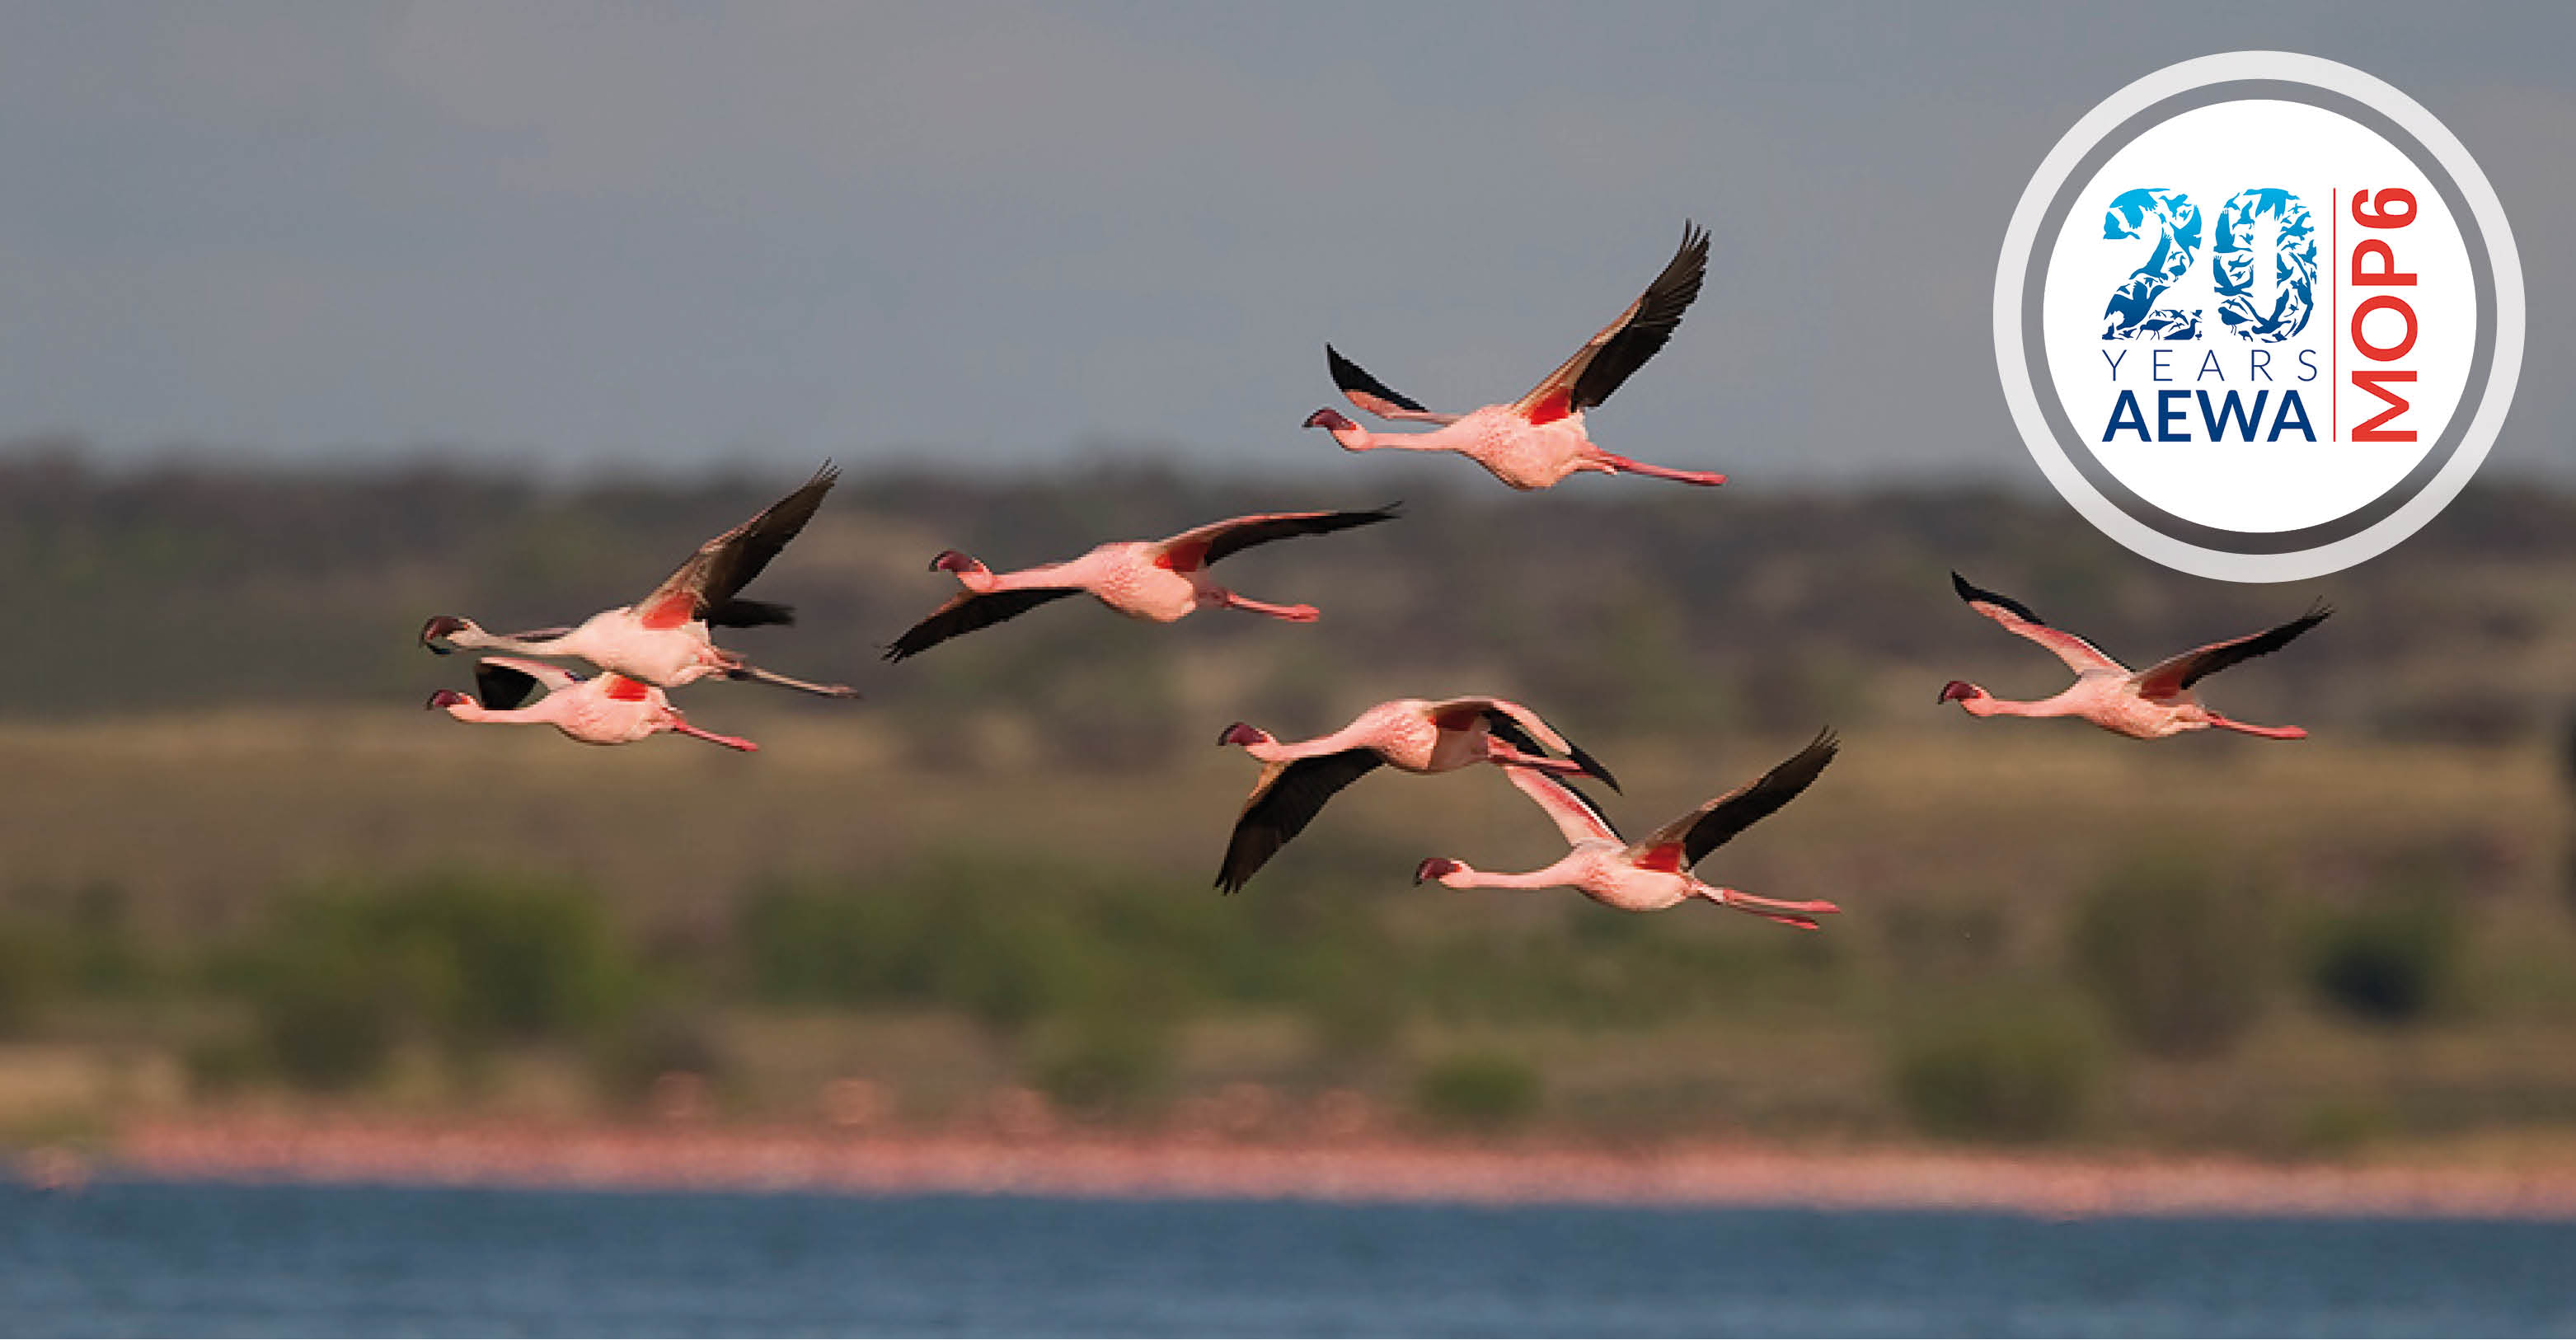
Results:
<point x="1988" y="705"/>
<point x="472" y="637"/>
<point x="1469" y="877"/>
<point x="472" y="710"/>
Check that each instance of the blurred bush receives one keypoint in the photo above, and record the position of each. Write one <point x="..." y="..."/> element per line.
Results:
<point x="2180" y="964"/>
<point x="1479" y="1091"/>
<point x="28" y="976"/>
<point x="2389" y="961"/>
<point x="336" y="979"/>
<point x="665" y="1040"/>
<point x="2023" y="1071"/>
<point x="1110" y="1065"/>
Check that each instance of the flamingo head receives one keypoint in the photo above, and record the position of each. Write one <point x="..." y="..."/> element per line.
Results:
<point x="444" y="698"/>
<point x="1960" y="691"/>
<point x="950" y="560"/>
<point x="1330" y="419"/>
<point x="1240" y="733"/>
<point x="441" y="626"/>
<point x="1436" y="866"/>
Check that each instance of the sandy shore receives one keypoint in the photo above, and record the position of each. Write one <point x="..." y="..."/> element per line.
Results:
<point x="1369" y="1170"/>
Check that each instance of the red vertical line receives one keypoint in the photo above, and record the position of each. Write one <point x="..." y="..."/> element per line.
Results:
<point x="2334" y="311"/>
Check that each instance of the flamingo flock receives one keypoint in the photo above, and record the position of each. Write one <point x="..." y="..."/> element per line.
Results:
<point x="666" y="642"/>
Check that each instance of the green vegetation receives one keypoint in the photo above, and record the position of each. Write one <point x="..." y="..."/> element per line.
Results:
<point x="2017" y="1071"/>
<point x="2179" y="962"/>
<point x="1478" y="1091"/>
<point x="273" y="876"/>
<point x="2389" y="962"/>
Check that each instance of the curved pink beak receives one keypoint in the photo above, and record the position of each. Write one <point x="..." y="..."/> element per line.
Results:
<point x="950" y="560"/>
<point x="1959" y="689"/>
<point x="1328" y="418"/>
<point x="444" y="698"/>
<point x="1433" y="867"/>
<point x="1239" y="733"/>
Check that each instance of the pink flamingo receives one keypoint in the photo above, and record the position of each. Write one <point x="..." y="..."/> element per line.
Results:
<point x="664" y="639"/>
<point x="1656" y="873"/>
<point x="610" y="709"/>
<point x="1161" y="580"/>
<point x="1538" y="439"/>
<point x="1410" y="733"/>
<point x="2145" y="704"/>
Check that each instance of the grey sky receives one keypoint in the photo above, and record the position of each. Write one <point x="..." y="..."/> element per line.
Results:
<point x="995" y="233"/>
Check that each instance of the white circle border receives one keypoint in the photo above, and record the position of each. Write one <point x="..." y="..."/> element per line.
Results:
<point x="2012" y="361"/>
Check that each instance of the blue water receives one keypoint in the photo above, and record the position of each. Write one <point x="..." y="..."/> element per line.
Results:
<point x="144" y="1258"/>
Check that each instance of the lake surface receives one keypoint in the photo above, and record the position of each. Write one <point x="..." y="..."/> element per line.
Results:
<point x="130" y="1258"/>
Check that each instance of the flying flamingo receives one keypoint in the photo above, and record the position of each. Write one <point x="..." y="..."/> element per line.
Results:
<point x="609" y="709"/>
<point x="1161" y="580"/>
<point x="1538" y="439"/>
<point x="1654" y="874"/>
<point x="2146" y="704"/>
<point x="663" y="639"/>
<point x="1410" y="733"/>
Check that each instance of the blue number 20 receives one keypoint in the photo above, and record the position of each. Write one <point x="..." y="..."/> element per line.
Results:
<point x="2175" y="223"/>
<point x="2133" y="313"/>
<point x="2294" y="265"/>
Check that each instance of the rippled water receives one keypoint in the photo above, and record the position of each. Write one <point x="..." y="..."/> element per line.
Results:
<point x="129" y="1258"/>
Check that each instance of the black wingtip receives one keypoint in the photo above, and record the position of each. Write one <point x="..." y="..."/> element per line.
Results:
<point x="1592" y="767"/>
<point x="1973" y="593"/>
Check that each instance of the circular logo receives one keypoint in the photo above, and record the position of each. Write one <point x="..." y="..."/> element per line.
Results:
<point x="2259" y="316"/>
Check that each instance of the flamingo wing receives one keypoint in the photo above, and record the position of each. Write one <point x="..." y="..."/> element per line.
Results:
<point x="1685" y="841"/>
<point x="966" y="613"/>
<point x="1623" y="346"/>
<point x="1223" y="539"/>
<point x="2080" y="656"/>
<point x="1576" y="816"/>
<point x="2174" y="674"/>
<point x="1526" y="730"/>
<point x="706" y="586"/>
<point x="1376" y="397"/>
<point x="1283" y="802"/>
<point x="505" y="682"/>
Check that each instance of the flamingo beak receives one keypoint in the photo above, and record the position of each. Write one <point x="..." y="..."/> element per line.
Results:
<point x="1240" y="733"/>
<point x="444" y="698"/>
<point x="438" y="627"/>
<point x="950" y="560"/>
<point x="1959" y="690"/>
<point x="1326" y="418"/>
<point x="1433" y="868"/>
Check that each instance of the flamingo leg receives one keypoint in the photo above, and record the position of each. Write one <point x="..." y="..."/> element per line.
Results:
<point x="1798" y="914"/>
<point x="1291" y="613"/>
<point x="1703" y="478"/>
<point x="2267" y="732"/>
<point x="1499" y="751"/>
<point x="728" y="741"/>
<point x="746" y="670"/>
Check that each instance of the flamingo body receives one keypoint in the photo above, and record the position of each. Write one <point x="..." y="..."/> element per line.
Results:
<point x="608" y="709"/>
<point x="1409" y="734"/>
<point x="667" y="638"/>
<point x="1654" y="874"/>
<point x="2148" y="704"/>
<point x="1539" y="439"/>
<point x="1155" y="580"/>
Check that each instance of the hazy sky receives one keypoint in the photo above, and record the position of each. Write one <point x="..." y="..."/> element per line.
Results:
<point x="997" y="233"/>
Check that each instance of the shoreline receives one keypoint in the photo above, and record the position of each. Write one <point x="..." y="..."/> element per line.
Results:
<point x="1362" y="1171"/>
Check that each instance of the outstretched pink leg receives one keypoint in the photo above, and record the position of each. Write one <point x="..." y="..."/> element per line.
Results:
<point x="728" y="741"/>
<point x="1292" y="613"/>
<point x="1799" y="914"/>
<point x="1499" y="751"/>
<point x="2267" y="732"/>
<point x="1703" y="478"/>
